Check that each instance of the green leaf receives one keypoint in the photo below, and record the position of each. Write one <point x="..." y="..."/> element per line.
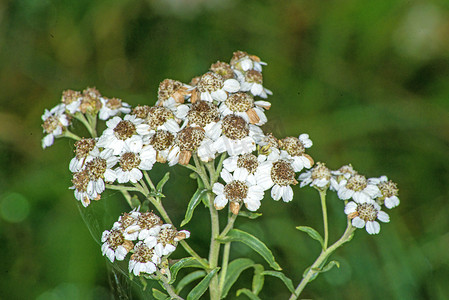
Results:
<point x="188" y="279"/>
<point x="235" y="268"/>
<point x="236" y="235"/>
<point x="247" y="293"/>
<point x="249" y="214"/>
<point x="159" y="295"/>
<point x="201" y="288"/>
<point x="287" y="281"/>
<point x="188" y="262"/>
<point x="156" y="194"/>
<point x="328" y="267"/>
<point x="196" y="199"/>
<point x="258" y="279"/>
<point x="312" y="233"/>
<point x="161" y="183"/>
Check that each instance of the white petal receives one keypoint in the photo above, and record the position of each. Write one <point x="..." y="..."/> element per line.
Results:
<point x="391" y="202"/>
<point x="276" y="192"/>
<point x="287" y="195"/>
<point x="358" y="223"/>
<point x="227" y="177"/>
<point x="220" y="201"/>
<point x="218" y="188"/>
<point x="383" y="216"/>
<point x="350" y="207"/>
<point x="372" y="227"/>
<point x="231" y="85"/>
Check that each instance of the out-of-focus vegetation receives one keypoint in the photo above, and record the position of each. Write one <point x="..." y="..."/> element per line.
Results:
<point x="368" y="80"/>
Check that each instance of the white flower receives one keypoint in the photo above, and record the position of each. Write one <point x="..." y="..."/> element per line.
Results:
<point x="212" y="86"/>
<point x="245" y="62"/>
<point x="188" y="141"/>
<point x="319" y="176"/>
<point x="243" y="105"/>
<point x="112" y="107"/>
<point x="206" y="115"/>
<point x="295" y="148"/>
<point x="89" y="182"/>
<point x="161" y="141"/>
<point x="132" y="161"/>
<point x="115" y="246"/>
<point x="163" y="118"/>
<point x="85" y="151"/>
<point x="55" y="123"/>
<point x="237" y="190"/>
<point x="120" y="133"/>
<point x="278" y="174"/>
<point x="247" y="163"/>
<point x="357" y="188"/>
<point x="237" y="136"/>
<point x="388" y="191"/>
<point x="251" y="81"/>
<point x="143" y="260"/>
<point x="166" y="242"/>
<point x="365" y="215"/>
<point x="172" y="89"/>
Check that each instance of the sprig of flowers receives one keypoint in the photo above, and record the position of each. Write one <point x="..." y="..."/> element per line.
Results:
<point x="211" y="126"/>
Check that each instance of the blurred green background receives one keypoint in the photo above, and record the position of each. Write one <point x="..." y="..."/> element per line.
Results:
<point x="368" y="80"/>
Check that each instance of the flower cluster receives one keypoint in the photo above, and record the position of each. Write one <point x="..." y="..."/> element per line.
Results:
<point x="75" y="104"/>
<point x="217" y="112"/>
<point x="364" y="197"/>
<point x="145" y="236"/>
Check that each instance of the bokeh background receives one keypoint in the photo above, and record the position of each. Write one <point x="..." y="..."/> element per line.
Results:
<point x="368" y="80"/>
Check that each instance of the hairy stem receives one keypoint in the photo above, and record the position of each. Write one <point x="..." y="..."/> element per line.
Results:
<point x="168" y="287"/>
<point x="214" y="250"/>
<point x="226" y="250"/>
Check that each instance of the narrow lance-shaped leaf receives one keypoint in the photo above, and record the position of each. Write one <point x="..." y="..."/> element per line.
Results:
<point x="235" y="268"/>
<point x="258" y="279"/>
<point x="287" y="281"/>
<point x="248" y="293"/>
<point x="312" y="233"/>
<point x="159" y="295"/>
<point x="188" y="279"/>
<point x="183" y="263"/>
<point x="201" y="288"/>
<point x="248" y="214"/>
<point x="161" y="183"/>
<point x="196" y="199"/>
<point x="328" y="267"/>
<point x="236" y="235"/>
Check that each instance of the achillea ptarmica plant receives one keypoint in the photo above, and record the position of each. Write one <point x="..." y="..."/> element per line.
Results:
<point x="214" y="127"/>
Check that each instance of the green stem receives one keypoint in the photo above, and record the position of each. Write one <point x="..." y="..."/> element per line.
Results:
<point x="122" y="188"/>
<point x="219" y="167"/>
<point x="79" y="116"/>
<point x="92" y="120"/>
<point x="326" y="227"/>
<point x="148" y="179"/>
<point x="224" y="265"/>
<point x="168" y="287"/>
<point x="347" y="235"/>
<point x="229" y="226"/>
<point x="71" y="135"/>
<point x="214" y="250"/>
<point x="226" y="250"/>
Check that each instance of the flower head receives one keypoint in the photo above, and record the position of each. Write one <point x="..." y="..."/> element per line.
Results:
<point x="365" y="215"/>
<point x="55" y="123"/>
